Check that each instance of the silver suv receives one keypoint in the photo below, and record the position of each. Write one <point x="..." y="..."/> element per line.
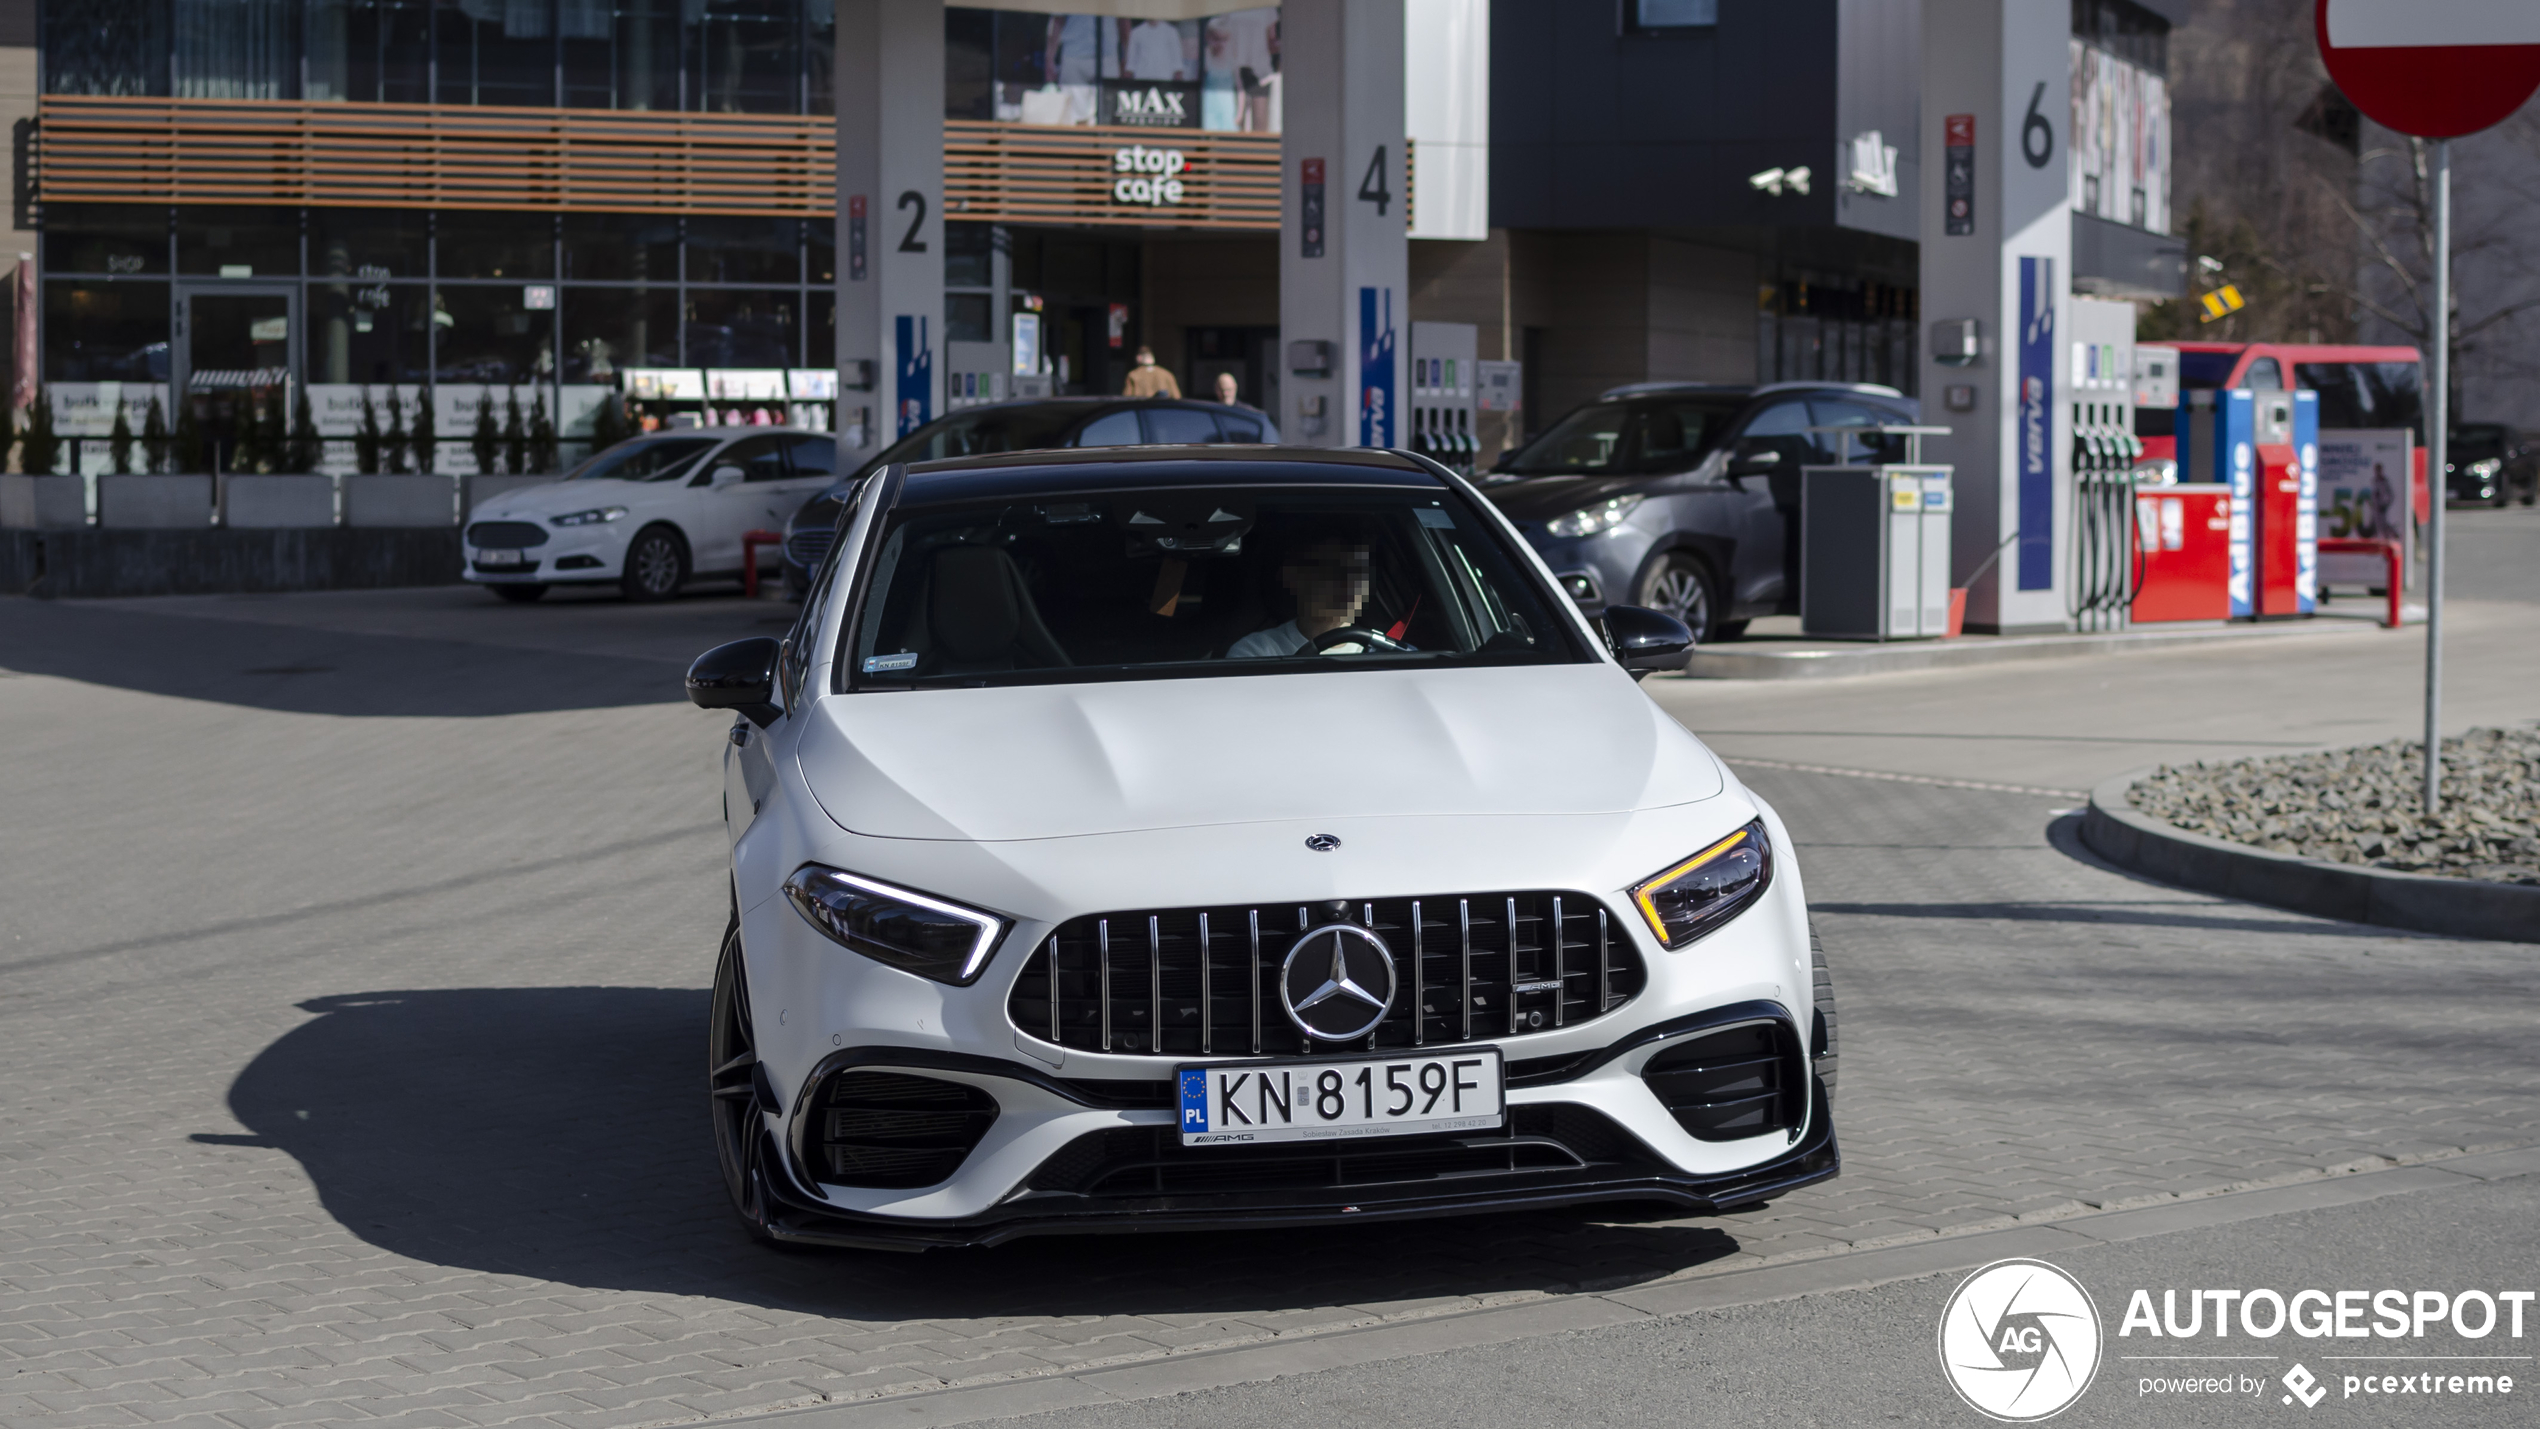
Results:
<point x="1684" y="497"/>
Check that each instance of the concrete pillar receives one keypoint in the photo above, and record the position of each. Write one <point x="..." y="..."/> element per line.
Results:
<point x="1344" y="238"/>
<point x="890" y="88"/>
<point x="1997" y="248"/>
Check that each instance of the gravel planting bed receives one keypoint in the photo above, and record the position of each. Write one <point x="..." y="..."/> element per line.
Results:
<point x="2365" y="806"/>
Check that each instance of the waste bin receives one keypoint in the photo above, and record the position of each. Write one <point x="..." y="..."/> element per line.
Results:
<point x="1874" y="552"/>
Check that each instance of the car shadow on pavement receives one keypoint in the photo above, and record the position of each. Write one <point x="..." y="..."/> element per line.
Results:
<point x="561" y="1134"/>
<point x="314" y="671"/>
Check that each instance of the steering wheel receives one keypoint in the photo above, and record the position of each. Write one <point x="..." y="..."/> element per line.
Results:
<point x="1358" y="635"/>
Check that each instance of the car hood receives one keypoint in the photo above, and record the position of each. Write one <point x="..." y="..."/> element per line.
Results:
<point x="1540" y="498"/>
<point x="555" y="498"/>
<point x="1054" y="761"/>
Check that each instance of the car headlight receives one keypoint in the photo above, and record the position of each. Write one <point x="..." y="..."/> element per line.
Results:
<point x="1603" y="516"/>
<point x="1696" y="896"/>
<point x="898" y="926"/>
<point x="592" y="517"/>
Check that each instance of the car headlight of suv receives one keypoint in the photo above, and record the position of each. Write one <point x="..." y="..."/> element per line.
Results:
<point x="1595" y="520"/>
<point x="1693" y="898"/>
<point x="898" y="926"/>
<point x="593" y="517"/>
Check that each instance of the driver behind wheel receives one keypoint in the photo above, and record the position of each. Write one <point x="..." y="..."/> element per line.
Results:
<point x="1326" y="573"/>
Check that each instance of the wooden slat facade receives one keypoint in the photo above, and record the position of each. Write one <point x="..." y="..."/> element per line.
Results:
<point x="1023" y="173"/>
<point x="163" y="151"/>
<point x="160" y="151"/>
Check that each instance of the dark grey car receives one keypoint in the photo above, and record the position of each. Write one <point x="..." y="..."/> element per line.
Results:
<point x="1684" y="497"/>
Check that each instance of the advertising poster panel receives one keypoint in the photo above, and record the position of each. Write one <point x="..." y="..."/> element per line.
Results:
<point x="2363" y="496"/>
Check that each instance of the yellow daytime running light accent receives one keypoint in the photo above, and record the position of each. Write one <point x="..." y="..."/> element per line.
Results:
<point x="1640" y="895"/>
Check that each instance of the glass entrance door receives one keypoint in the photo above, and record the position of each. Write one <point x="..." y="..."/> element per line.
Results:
<point x="240" y="349"/>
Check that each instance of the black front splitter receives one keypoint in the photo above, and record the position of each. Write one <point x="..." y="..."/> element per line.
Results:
<point x="795" y="1219"/>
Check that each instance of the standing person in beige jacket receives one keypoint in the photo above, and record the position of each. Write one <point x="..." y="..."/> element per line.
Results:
<point x="1148" y="380"/>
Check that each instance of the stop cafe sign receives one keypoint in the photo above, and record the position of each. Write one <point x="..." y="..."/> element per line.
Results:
<point x="2436" y="69"/>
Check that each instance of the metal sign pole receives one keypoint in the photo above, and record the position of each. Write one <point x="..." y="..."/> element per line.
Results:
<point x="2438" y="451"/>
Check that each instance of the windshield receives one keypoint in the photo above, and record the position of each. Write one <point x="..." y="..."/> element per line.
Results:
<point x="2360" y="395"/>
<point x="1612" y="438"/>
<point x="2205" y="371"/>
<point x="644" y="461"/>
<point x="2476" y="442"/>
<point x="1196" y="582"/>
<point x="988" y="429"/>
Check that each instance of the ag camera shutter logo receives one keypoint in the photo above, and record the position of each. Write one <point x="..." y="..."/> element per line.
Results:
<point x="1152" y="175"/>
<point x="2019" y="1341"/>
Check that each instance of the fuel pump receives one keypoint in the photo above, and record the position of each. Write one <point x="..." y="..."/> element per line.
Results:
<point x="2265" y="446"/>
<point x="2107" y="568"/>
<point x="1442" y="394"/>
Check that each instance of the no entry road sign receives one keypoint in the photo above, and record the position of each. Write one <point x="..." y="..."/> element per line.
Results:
<point x="2436" y="69"/>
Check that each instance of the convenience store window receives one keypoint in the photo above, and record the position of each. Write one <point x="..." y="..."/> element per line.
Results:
<point x="105" y="331"/>
<point x="407" y="296"/>
<point x="111" y="238"/>
<point x="371" y="243"/>
<point x="238" y="242"/>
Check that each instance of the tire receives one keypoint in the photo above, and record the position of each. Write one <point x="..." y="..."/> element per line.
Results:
<point x="656" y="565"/>
<point x="733" y="1087"/>
<point x="1821" y="1037"/>
<point x="1732" y="629"/>
<point x="517" y="594"/>
<point x="2504" y="496"/>
<point x="1681" y="584"/>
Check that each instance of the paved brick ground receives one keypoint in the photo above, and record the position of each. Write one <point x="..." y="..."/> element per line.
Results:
<point x="351" y="1008"/>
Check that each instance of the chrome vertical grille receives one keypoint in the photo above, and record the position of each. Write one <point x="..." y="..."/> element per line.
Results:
<point x="1472" y="965"/>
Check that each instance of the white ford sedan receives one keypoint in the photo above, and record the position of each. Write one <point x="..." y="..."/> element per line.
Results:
<point x="649" y="514"/>
<point x="1182" y="837"/>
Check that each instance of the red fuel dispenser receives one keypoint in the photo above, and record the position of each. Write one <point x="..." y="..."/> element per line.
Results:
<point x="2183" y="534"/>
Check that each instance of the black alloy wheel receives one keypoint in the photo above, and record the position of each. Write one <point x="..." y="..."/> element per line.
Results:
<point x="656" y="565"/>
<point x="733" y="1080"/>
<point x="1681" y="585"/>
<point x="518" y="594"/>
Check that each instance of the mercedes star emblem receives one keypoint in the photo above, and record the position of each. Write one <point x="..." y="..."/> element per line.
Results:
<point x="1337" y="982"/>
<point x="1323" y="843"/>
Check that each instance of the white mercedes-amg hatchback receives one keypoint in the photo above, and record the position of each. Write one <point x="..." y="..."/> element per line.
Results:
<point x="1178" y="837"/>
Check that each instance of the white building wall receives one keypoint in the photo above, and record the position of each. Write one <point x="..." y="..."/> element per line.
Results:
<point x="1446" y="110"/>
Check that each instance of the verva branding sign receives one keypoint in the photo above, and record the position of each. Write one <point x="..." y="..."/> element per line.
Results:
<point x="2037" y="424"/>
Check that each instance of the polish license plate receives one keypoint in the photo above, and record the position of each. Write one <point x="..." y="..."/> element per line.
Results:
<point x="502" y="558"/>
<point x="1338" y="1098"/>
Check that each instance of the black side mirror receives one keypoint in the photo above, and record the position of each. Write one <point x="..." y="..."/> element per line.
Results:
<point x="1646" y="640"/>
<point x="740" y="677"/>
